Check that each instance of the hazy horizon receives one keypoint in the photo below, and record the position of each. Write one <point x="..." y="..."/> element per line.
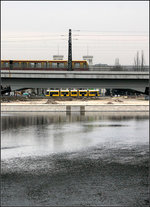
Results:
<point x="105" y="30"/>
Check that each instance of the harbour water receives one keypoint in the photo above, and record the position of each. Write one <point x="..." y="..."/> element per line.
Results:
<point x="75" y="158"/>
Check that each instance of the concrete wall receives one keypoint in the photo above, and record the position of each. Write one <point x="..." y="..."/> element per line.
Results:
<point x="71" y="108"/>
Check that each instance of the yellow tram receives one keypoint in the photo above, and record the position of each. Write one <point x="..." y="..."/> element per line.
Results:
<point x="73" y="93"/>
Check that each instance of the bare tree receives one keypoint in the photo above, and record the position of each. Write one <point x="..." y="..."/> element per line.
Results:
<point x="135" y="64"/>
<point x="142" y="59"/>
<point x="137" y="60"/>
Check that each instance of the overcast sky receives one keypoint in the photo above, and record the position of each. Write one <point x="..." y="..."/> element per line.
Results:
<point x="106" y="30"/>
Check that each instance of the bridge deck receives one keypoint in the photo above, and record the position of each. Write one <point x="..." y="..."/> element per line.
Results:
<point x="19" y="79"/>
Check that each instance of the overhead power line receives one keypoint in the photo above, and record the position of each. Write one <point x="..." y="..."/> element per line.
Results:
<point x="125" y="31"/>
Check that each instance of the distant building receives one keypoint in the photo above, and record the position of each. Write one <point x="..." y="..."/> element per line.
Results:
<point x="100" y="64"/>
<point x="89" y="59"/>
<point x="117" y="62"/>
<point x="58" y="57"/>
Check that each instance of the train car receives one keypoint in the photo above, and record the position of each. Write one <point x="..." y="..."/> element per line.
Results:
<point x="79" y="64"/>
<point x="83" y="92"/>
<point x="4" y="64"/>
<point x="43" y="65"/>
<point x="93" y="93"/>
<point x="64" y="93"/>
<point x="52" y="93"/>
<point x="73" y="92"/>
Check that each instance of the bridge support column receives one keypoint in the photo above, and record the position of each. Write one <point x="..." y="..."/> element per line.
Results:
<point x="37" y="91"/>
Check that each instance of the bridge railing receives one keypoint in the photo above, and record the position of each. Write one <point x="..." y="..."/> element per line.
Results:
<point x="119" y="68"/>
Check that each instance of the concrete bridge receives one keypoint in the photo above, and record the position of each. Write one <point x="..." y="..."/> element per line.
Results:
<point x="20" y="79"/>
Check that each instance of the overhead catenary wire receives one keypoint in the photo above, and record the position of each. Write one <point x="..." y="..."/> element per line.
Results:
<point x="99" y="42"/>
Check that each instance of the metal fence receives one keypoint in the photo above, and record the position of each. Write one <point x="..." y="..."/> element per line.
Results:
<point x="119" y="68"/>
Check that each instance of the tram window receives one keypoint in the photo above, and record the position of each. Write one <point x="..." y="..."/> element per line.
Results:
<point x="65" y="93"/>
<point x="16" y="64"/>
<point x="74" y="92"/>
<point x="82" y="92"/>
<point x="77" y="65"/>
<point x="93" y="92"/>
<point x="52" y="93"/>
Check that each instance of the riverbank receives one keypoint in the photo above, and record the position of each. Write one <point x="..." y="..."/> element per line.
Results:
<point x="72" y="104"/>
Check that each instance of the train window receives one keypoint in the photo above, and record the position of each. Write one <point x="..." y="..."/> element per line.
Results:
<point x="48" y="65"/>
<point x="16" y="64"/>
<point x="65" y="64"/>
<point x="84" y="65"/>
<point x="77" y="65"/>
<point x="4" y="65"/>
<point x="44" y="65"/>
<point x="24" y="65"/>
<point x="31" y="65"/>
<point x="54" y="65"/>
<point x="61" y="65"/>
<point x="38" y="65"/>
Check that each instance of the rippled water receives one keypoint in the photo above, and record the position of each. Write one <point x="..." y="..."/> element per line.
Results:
<point x="75" y="159"/>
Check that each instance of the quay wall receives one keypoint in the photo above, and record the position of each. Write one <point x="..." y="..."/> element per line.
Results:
<point x="71" y="108"/>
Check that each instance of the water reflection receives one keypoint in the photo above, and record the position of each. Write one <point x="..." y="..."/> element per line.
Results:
<point x="19" y="120"/>
<point x="40" y="134"/>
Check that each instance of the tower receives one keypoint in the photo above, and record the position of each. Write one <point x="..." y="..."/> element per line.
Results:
<point x="89" y="59"/>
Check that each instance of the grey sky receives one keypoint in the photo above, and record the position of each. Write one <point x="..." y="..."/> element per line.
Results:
<point x="33" y="30"/>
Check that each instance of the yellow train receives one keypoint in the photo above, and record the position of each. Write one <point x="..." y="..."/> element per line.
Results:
<point x="42" y="65"/>
<point x="73" y="93"/>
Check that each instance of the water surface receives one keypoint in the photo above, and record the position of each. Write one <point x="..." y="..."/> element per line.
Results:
<point x="75" y="159"/>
